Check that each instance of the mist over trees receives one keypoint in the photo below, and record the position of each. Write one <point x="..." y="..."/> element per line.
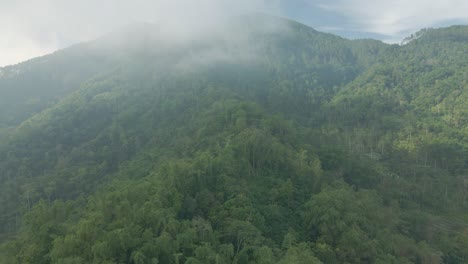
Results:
<point x="263" y="141"/>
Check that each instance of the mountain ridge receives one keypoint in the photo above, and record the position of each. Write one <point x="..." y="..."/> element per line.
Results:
<point x="252" y="148"/>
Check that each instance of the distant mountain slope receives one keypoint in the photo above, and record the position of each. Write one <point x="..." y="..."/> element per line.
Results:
<point x="33" y="86"/>
<point x="263" y="141"/>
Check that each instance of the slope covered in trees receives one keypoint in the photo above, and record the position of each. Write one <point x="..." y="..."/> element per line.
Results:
<point x="263" y="142"/>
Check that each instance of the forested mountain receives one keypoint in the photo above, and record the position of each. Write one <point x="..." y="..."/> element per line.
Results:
<point x="262" y="141"/>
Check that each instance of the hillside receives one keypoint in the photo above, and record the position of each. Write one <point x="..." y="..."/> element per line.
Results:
<point x="263" y="141"/>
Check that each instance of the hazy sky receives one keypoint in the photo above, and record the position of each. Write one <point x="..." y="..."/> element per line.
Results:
<point x="31" y="28"/>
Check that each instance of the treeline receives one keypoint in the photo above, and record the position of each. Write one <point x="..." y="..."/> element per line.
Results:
<point x="321" y="150"/>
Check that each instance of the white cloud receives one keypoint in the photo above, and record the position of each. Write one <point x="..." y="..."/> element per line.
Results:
<point x="398" y="18"/>
<point x="15" y="48"/>
<point x="40" y="26"/>
<point x="31" y="28"/>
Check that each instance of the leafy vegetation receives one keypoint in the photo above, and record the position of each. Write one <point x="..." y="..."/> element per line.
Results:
<point x="272" y="143"/>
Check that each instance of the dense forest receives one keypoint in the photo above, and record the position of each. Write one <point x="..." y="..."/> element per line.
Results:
<point x="264" y="141"/>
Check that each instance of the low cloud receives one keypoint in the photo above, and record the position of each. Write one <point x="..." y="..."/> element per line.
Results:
<point x="32" y="28"/>
<point x="38" y="27"/>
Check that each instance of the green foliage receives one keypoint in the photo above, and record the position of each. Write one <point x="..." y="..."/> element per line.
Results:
<point x="304" y="148"/>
